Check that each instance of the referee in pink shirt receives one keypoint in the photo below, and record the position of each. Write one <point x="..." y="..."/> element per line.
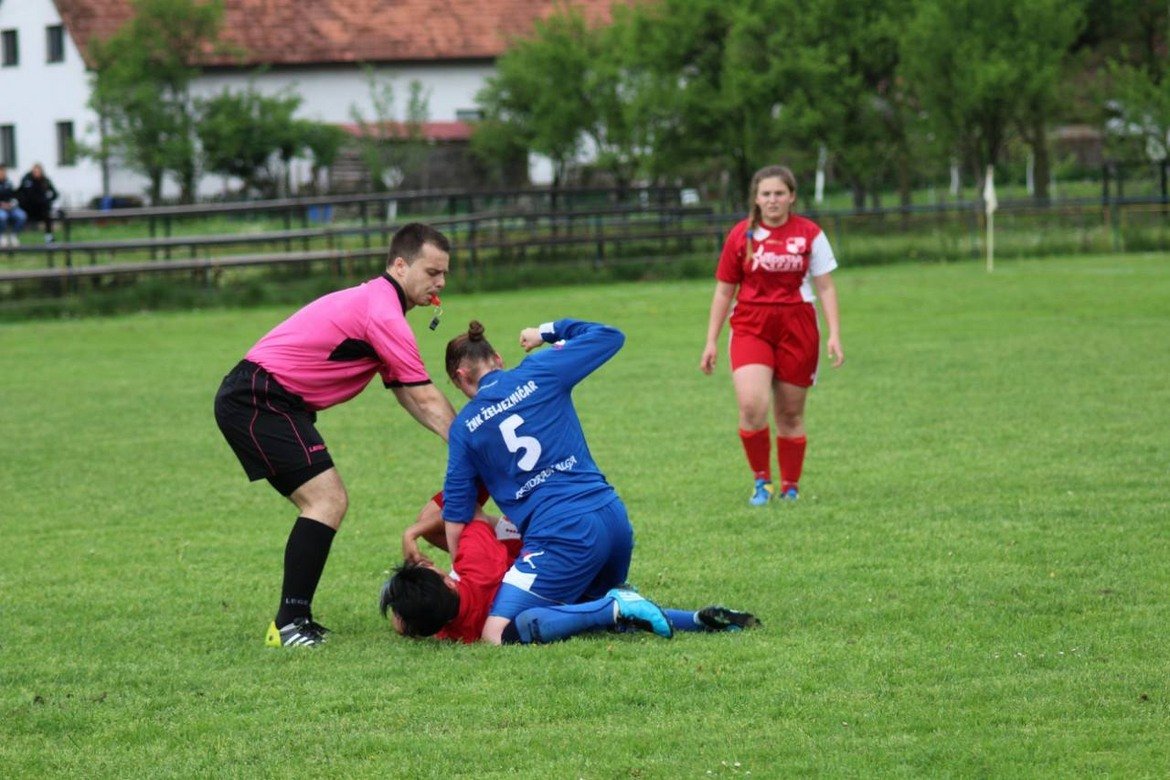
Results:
<point x="325" y="354"/>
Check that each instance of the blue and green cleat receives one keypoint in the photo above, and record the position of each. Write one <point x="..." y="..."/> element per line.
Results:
<point x="790" y="493"/>
<point x="763" y="493"/>
<point x="635" y="610"/>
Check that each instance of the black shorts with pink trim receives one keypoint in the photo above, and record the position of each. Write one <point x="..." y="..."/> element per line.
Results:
<point x="269" y="429"/>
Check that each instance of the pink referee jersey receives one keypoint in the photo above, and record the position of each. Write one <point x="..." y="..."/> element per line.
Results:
<point x="783" y="260"/>
<point x="330" y="350"/>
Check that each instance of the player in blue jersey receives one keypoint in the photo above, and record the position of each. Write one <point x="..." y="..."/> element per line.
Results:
<point x="520" y="436"/>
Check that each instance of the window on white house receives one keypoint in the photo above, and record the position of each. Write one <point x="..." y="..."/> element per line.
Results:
<point x="55" y="43"/>
<point x="9" y="48"/>
<point x="468" y="115"/>
<point x="66" y="146"/>
<point x="8" y="146"/>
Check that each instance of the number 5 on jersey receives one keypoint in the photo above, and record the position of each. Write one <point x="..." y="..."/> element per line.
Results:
<point x="514" y="443"/>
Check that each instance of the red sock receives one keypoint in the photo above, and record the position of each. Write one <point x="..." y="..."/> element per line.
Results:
<point x="790" y="450"/>
<point x="757" y="445"/>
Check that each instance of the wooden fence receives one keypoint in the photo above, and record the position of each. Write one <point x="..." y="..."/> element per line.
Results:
<point x="655" y="225"/>
<point x="476" y="239"/>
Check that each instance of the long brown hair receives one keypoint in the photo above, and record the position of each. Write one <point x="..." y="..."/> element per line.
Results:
<point x="470" y="346"/>
<point x="754" y="216"/>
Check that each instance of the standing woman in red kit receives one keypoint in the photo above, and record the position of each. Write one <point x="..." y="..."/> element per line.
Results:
<point x="770" y="265"/>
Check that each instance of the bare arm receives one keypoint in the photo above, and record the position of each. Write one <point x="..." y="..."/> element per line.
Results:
<point x="427" y="405"/>
<point x="720" y="306"/>
<point x="454" y="531"/>
<point x="429" y="525"/>
<point x="827" y="292"/>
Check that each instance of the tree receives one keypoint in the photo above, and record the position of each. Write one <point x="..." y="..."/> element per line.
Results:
<point x="798" y="75"/>
<point x="839" y="86"/>
<point x="391" y="149"/>
<point x="615" y="91"/>
<point x="142" y="75"/>
<point x="1047" y="30"/>
<point x="698" y="116"/>
<point x="1135" y="94"/>
<point x="1139" y="109"/>
<point x="1130" y="31"/>
<point x="242" y="133"/>
<point x="500" y="150"/>
<point x="323" y="142"/>
<point x="538" y="95"/>
<point x="985" y="67"/>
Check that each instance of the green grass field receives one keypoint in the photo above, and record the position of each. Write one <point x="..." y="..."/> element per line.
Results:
<point x="974" y="583"/>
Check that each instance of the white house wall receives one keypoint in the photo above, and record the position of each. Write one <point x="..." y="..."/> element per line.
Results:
<point x="35" y="95"/>
<point x="330" y="94"/>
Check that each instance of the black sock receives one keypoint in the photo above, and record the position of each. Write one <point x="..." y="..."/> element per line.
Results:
<point x="304" y="560"/>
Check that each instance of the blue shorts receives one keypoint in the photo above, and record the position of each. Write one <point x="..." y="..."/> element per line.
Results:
<point x="568" y="561"/>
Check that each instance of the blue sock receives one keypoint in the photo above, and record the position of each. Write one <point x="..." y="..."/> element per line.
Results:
<point x="540" y="625"/>
<point x="683" y="620"/>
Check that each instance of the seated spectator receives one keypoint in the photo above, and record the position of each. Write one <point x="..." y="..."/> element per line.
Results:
<point x="12" y="216"/>
<point x="36" y="195"/>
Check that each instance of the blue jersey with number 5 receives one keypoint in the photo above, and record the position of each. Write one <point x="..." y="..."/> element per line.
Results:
<point x="520" y="434"/>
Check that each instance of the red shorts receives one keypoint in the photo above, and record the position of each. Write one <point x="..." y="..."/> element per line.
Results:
<point x="783" y="336"/>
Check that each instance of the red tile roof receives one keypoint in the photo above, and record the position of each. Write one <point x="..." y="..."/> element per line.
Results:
<point x="294" y="32"/>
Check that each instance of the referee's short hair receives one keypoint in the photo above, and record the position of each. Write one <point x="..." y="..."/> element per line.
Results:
<point x="409" y="240"/>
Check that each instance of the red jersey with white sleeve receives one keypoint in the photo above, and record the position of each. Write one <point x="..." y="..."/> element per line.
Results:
<point x="330" y="350"/>
<point x="479" y="567"/>
<point x="783" y="261"/>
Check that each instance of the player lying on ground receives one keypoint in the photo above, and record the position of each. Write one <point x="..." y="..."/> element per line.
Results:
<point x="423" y="601"/>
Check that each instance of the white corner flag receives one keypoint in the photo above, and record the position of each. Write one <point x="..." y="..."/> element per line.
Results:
<point x="990" y="204"/>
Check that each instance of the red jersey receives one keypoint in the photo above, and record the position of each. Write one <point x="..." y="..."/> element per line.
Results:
<point x="479" y="568"/>
<point x="330" y="350"/>
<point x="783" y="260"/>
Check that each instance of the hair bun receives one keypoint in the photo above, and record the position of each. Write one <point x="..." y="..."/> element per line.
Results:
<point x="475" y="331"/>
